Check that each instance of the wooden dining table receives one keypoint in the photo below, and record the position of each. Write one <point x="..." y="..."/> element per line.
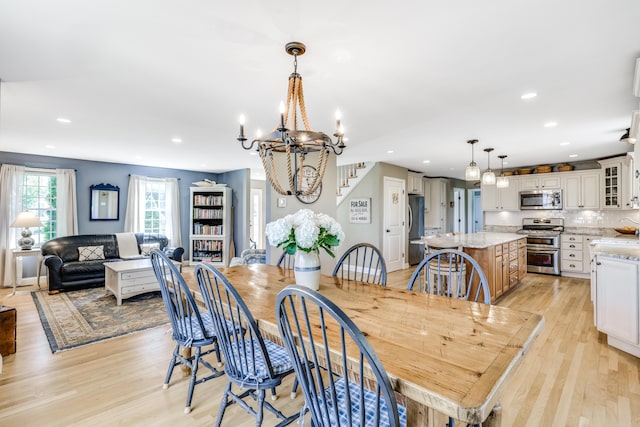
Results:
<point x="446" y="357"/>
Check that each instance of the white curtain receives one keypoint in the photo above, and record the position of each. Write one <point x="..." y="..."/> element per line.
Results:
<point x="67" y="204"/>
<point x="11" y="182"/>
<point x="134" y="216"/>
<point x="173" y="212"/>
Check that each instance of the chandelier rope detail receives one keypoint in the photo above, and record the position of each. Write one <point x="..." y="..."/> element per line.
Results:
<point x="293" y="142"/>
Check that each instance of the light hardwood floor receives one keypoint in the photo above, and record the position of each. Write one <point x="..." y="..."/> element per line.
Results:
<point x="569" y="378"/>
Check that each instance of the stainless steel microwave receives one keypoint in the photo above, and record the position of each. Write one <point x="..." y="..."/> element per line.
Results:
<point x="541" y="199"/>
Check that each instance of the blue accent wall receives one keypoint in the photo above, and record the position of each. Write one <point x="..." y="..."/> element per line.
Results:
<point x="90" y="173"/>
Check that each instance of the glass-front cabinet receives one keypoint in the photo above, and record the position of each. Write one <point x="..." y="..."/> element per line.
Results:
<point x="617" y="190"/>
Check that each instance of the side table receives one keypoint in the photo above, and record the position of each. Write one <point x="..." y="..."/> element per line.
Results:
<point x="17" y="253"/>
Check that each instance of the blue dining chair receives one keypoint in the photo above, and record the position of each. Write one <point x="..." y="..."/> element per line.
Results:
<point x="442" y="273"/>
<point x="189" y="327"/>
<point x="286" y="260"/>
<point x="451" y="273"/>
<point x="362" y="262"/>
<point x="251" y="362"/>
<point x="321" y="340"/>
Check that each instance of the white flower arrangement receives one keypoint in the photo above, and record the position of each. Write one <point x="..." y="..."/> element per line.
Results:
<point x="305" y="230"/>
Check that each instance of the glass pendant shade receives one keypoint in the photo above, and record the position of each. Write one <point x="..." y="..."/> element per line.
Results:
<point x="472" y="172"/>
<point x="502" y="181"/>
<point x="488" y="177"/>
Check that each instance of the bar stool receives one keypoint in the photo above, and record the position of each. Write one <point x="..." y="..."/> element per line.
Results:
<point x="446" y="270"/>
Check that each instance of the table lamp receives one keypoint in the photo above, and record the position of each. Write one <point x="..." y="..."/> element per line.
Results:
<point x="25" y="220"/>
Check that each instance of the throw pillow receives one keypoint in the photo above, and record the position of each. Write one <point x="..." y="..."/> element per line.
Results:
<point x="146" y="248"/>
<point x="90" y="253"/>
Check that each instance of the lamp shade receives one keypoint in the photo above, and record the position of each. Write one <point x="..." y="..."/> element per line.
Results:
<point x="472" y="172"/>
<point x="26" y="219"/>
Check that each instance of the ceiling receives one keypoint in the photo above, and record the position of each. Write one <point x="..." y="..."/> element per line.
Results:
<point x="416" y="77"/>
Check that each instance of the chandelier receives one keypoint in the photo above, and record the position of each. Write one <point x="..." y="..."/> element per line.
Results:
<point x="288" y="140"/>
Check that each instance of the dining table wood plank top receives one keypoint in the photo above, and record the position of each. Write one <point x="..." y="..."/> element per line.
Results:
<point x="442" y="354"/>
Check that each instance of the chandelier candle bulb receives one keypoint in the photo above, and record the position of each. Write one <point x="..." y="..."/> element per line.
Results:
<point x="338" y="117"/>
<point x="281" y="108"/>
<point x="241" y="120"/>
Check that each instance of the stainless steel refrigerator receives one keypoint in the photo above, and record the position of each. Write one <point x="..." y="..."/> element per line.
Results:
<point x="416" y="228"/>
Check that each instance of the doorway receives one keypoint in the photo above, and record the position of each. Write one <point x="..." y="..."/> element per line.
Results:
<point x="476" y="219"/>
<point x="459" y="211"/>
<point x="395" y="211"/>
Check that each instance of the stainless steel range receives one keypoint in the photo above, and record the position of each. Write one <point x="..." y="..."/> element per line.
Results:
<point x="543" y="244"/>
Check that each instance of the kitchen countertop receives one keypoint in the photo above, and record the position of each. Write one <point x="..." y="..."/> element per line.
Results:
<point x="474" y="240"/>
<point x="617" y="248"/>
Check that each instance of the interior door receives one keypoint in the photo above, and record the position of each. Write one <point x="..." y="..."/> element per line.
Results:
<point x="394" y="242"/>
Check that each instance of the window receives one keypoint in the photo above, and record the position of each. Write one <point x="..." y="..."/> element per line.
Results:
<point x="155" y="208"/>
<point x="39" y="195"/>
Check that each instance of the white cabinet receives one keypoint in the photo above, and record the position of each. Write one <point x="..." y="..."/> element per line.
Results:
<point x="426" y="188"/>
<point x="210" y="225"/>
<point x="414" y="183"/>
<point x="617" y="302"/>
<point x="617" y="187"/>
<point x="436" y="216"/>
<point x="581" y="190"/>
<point x="533" y="182"/>
<point x="575" y="254"/>
<point x="501" y="199"/>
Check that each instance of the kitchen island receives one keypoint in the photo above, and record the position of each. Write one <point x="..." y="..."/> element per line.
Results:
<point x="502" y="256"/>
<point x="615" y="291"/>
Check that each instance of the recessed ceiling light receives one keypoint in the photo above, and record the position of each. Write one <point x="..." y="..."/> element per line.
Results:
<point x="506" y="163"/>
<point x="49" y="146"/>
<point x="452" y="169"/>
<point x="176" y="140"/>
<point x="426" y="161"/>
<point x="139" y="157"/>
<point x="63" y="120"/>
<point x="551" y="124"/>
<point x="529" y="95"/>
<point x="253" y="153"/>
<point x="565" y="143"/>
<point x="390" y="152"/>
<point x="573" y="155"/>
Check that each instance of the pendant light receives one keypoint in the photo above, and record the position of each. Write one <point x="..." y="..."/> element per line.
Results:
<point x="502" y="181"/>
<point x="472" y="172"/>
<point x="488" y="177"/>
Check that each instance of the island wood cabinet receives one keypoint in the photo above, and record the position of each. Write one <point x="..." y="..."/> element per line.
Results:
<point x="501" y="199"/>
<point x="617" y="302"/>
<point x="210" y="225"/>
<point x="504" y="265"/>
<point x="581" y="190"/>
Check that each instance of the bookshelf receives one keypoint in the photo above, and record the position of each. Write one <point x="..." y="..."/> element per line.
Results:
<point x="209" y="222"/>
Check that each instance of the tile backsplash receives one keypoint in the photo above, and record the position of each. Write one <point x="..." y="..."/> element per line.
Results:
<point x="601" y="219"/>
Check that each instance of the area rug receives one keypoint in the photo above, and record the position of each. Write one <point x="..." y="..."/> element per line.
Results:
<point x="76" y="318"/>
